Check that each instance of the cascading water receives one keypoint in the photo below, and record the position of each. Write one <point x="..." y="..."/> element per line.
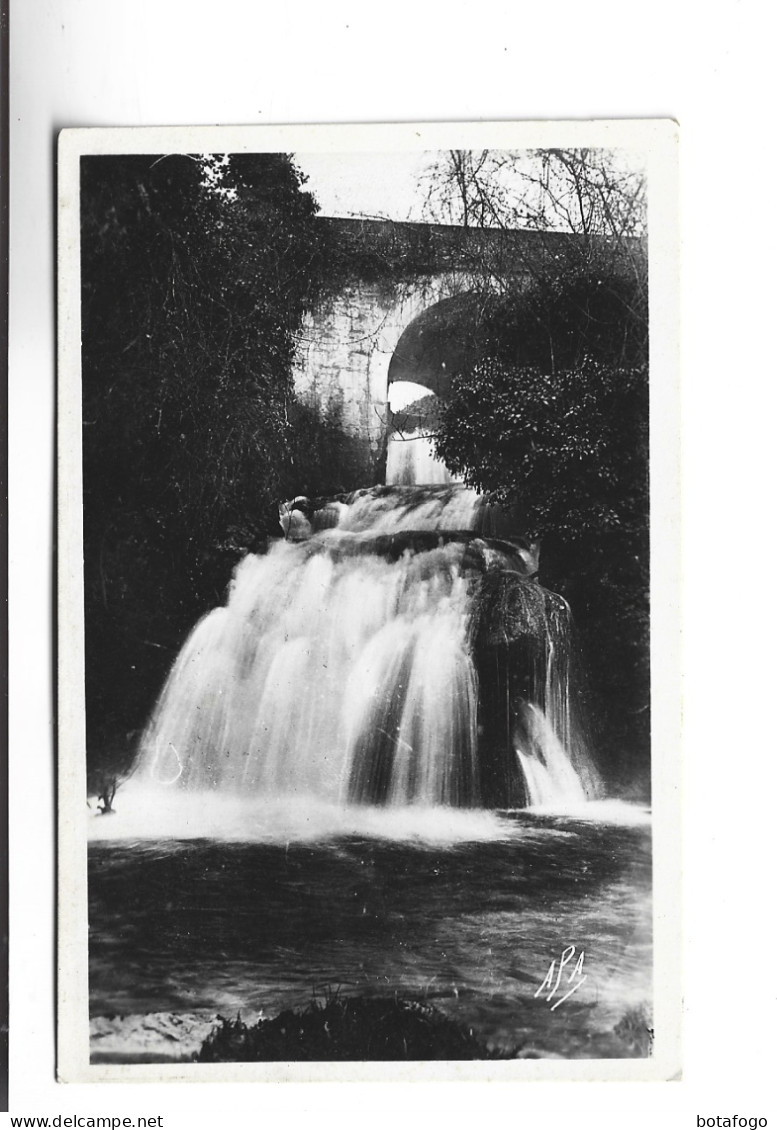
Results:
<point x="411" y="459"/>
<point x="547" y="768"/>
<point x="338" y="676"/>
<point x="347" y="667"/>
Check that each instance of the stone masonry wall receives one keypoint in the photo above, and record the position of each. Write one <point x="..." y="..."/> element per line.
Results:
<point x="347" y="345"/>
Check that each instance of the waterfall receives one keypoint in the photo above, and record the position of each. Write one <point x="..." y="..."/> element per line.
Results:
<point x="345" y="665"/>
<point x="411" y="459"/>
<point x="547" y="768"/>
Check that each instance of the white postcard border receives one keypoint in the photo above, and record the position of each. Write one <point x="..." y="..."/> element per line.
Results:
<point x="657" y="142"/>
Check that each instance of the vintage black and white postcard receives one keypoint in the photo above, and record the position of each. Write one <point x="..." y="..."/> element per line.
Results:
<point x="368" y="472"/>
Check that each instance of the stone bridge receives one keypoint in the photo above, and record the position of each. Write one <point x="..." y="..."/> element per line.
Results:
<point x="383" y="325"/>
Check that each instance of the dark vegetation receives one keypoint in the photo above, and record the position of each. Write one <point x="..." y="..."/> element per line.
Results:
<point x="353" y="1029"/>
<point x="327" y="459"/>
<point x="348" y="1029"/>
<point x="195" y="275"/>
<point x="567" y="452"/>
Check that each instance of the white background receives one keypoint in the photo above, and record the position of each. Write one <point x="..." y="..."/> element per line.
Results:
<point x="94" y="62"/>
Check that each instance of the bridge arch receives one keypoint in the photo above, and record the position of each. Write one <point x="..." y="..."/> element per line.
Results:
<point x="436" y="344"/>
<point x="368" y="337"/>
<point x="348" y="342"/>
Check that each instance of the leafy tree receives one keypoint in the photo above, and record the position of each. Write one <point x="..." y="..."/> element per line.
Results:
<point x="567" y="453"/>
<point x="195" y="273"/>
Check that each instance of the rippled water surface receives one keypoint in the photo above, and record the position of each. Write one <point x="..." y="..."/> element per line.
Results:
<point x="468" y="912"/>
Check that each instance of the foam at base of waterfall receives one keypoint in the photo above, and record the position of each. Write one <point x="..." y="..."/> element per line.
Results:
<point x="610" y="811"/>
<point x="146" y="812"/>
<point x="153" y="815"/>
<point x="149" y="814"/>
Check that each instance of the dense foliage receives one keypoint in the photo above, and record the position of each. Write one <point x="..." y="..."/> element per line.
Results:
<point x="568" y="453"/>
<point x="552" y="420"/>
<point x="195" y="275"/>
<point x="577" y="305"/>
<point x="567" y="450"/>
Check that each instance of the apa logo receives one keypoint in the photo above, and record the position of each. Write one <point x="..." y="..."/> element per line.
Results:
<point x="552" y="980"/>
